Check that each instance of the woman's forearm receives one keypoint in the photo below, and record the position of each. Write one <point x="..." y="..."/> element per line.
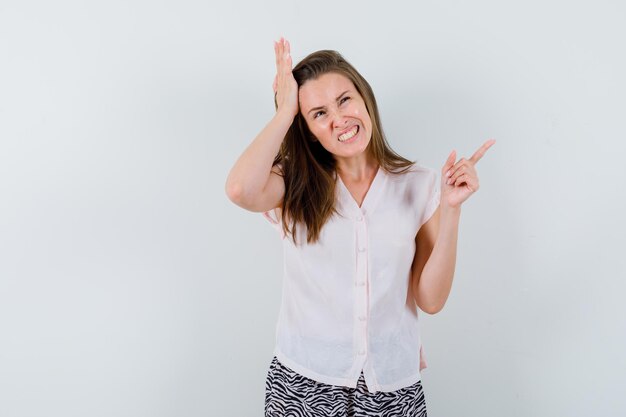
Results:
<point x="435" y="281"/>
<point x="248" y="176"/>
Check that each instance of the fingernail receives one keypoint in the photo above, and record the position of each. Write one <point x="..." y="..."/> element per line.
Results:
<point x="448" y="173"/>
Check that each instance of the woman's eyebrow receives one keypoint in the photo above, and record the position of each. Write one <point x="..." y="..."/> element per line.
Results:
<point x="321" y="107"/>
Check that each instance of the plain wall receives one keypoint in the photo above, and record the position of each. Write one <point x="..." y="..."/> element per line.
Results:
<point x="131" y="286"/>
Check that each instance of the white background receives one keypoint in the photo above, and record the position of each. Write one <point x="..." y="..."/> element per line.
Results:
<point x="131" y="286"/>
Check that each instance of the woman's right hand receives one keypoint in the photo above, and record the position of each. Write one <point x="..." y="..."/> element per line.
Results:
<point x="285" y="85"/>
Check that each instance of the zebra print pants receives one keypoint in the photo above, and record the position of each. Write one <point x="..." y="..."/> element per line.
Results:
<point x="289" y="394"/>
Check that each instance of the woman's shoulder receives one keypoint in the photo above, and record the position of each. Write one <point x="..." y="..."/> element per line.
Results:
<point x="414" y="172"/>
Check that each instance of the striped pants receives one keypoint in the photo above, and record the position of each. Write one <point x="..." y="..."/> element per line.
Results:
<point x="289" y="394"/>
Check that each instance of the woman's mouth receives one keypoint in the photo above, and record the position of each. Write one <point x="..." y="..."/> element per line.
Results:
<point x="346" y="137"/>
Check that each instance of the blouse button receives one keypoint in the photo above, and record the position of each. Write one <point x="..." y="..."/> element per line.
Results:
<point x="362" y="318"/>
<point x="361" y="352"/>
<point x="362" y="249"/>
<point x="360" y="218"/>
<point x="360" y="283"/>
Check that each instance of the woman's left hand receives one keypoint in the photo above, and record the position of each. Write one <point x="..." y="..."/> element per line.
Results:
<point x="459" y="180"/>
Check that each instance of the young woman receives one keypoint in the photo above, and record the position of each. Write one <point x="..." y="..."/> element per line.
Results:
<point x="368" y="237"/>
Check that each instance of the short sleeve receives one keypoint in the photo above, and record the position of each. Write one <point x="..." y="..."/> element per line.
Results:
<point x="430" y="195"/>
<point x="274" y="217"/>
<point x="433" y="192"/>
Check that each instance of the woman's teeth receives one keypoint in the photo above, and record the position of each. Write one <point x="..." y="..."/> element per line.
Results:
<point x="349" y="135"/>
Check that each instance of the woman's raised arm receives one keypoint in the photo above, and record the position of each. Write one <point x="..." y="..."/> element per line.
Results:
<point x="252" y="182"/>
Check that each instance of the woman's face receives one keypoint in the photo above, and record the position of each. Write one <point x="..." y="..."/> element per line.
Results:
<point x="336" y="114"/>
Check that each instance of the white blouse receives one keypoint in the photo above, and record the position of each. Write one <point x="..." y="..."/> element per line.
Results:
<point x="346" y="303"/>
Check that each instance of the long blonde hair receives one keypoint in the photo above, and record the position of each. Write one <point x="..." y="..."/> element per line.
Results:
<point x="308" y="169"/>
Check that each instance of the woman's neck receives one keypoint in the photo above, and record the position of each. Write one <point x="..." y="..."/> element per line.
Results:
<point x="357" y="169"/>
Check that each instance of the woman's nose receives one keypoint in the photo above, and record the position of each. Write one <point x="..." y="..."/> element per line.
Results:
<point x="339" y="120"/>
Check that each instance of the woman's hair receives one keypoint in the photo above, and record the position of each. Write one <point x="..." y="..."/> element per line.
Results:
<point x="308" y="169"/>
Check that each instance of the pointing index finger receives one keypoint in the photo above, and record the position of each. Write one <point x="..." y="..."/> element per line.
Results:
<point x="481" y="151"/>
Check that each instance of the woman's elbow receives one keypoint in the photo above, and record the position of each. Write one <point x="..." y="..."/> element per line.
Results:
<point x="245" y="198"/>
<point x="432" y="308"/>
<point x="234" y="191"/>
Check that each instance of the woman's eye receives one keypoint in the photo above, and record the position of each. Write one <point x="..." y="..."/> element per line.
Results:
<point x="319" y="113"/>
<point x="344" y="99"/>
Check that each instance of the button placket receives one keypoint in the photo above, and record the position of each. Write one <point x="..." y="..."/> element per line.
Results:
<point x="361" y="299"/>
